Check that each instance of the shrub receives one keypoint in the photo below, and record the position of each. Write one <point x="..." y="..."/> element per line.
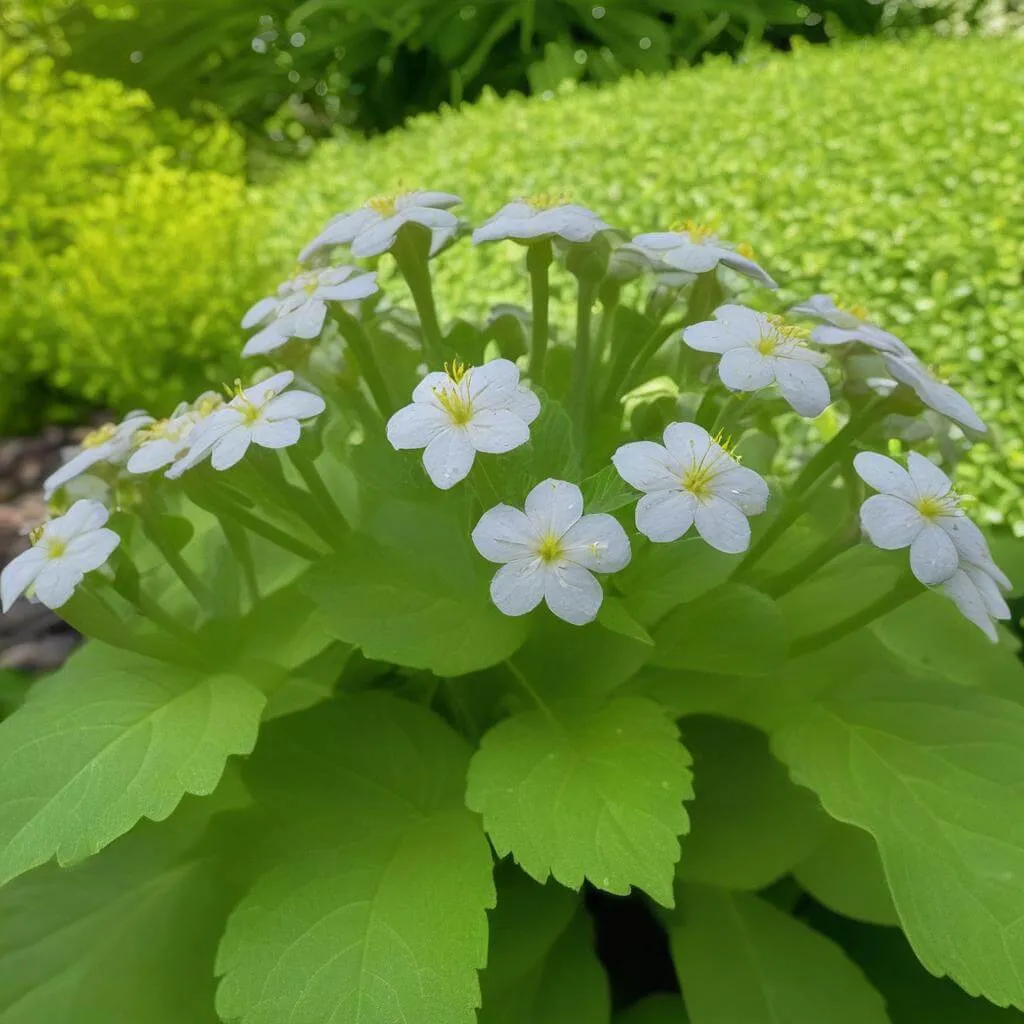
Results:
<point x="110" y="265"/>
<point x="892" y="173"/>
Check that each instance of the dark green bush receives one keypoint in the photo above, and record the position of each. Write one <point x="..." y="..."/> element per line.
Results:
<point x="891" y="172"/>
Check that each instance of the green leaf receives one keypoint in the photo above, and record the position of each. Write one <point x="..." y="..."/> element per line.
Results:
<point x="845" y="874"/>
<point x="110" y="739"/>
<point x="587" y="791"/>
<point x="662" y="576"/>
<point x="732" y="630"/>
<point x="614" y="615"/>
<point x="549" y="453"/>
<point x="129" y="935"/>
<point x="740" y="959"/>
<point x="397" y="606"/>
<point x="375" y="910"/>
<point x="664" y="1008"/>
<point x="606" y="491"/>
<point x="749" y="824"/>
<point x="933" y="771"/>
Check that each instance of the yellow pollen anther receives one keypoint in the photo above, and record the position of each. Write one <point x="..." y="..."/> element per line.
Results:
<point x="55" y="547"/>
<point x="550" y="548"/>
<point x="456" y="370"/>
<point x="726" y="443"/>
<point x="99" y="436"/>
<point x="697" y="480"/>
<point x="385" y="205"/>
<point x="935" y="506"/>
<point x="548" y="200"/>
<point x="207" y="404"/>
<point x="855" y="310"/>
<point x="790" y="332"/>
<point x="746" y="250"/>
<point x="767" y="344"/>
<point x="36" y="534"/>
<point x="697" y="232"/>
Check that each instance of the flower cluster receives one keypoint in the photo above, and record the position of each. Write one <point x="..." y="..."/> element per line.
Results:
<point x="724" y="367"/>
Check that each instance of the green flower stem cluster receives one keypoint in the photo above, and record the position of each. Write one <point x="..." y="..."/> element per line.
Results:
<point x="325" y="735"/>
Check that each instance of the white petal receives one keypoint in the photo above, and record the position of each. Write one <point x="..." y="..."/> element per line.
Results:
<point x="964" y="593"/>
<point x="525" y="404"/>
<point x="995" y="604"/>
<point x="91" y="550"/>
<point x="744" y="369"/>
<point x="496" y="431"/>
<point x="713" y="336"/>
<point x="268" y="340"/>
<point x="933" y="557"/>
<point x="505" y="534"/>
<point x="687" y="443"/>
<point x="692" y="257"/>
<point x="294" y="405"/>
<point x="439" y="200"/>
<point x="885" y="475"/>
<point x="822" y="307"/>
<point x="18" y="575"/>
<point x="493" y="385"/>
<point x="75" y="466"/>
<point x="802" y="385"/>
<point x="553" y="506"/>
<point x="84" y="516"/>
<point x="647" y="466"/>
<point x="929" y="480"/>
<point x="658" y="241"/>
<point x="276" y="433"/>
<point x="56" y="583"/>
<point x="597" y="542"/>
<point x="416" y="425"/>
<point x="305" y="322"/>
<point x="259" y="312"/>
<point x="747" y="267"/>
<point x="518" y="587"/>
<point x="664" y="516"/>
<point x="890" y="522"/>
<point x="435" y="381"/>
<point x="829" y="335"/>
<point x="358" y="288"/>
<point x="340" y="230"/>
<point x="259" y="393"/>
<point x="154" y="455"/>
<point x="448" y="457"/>
<point x="940" y="397"/>
<point x="377" y="238"/>
<point x="231" y="448"/>
<point x="722" y="525"/>
<point x="969" y="541"/>
<point x="742" y="487"/>
<point x="572" y="594"/>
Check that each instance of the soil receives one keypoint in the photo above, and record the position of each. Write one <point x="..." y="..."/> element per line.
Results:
<point x="32" y="638"/>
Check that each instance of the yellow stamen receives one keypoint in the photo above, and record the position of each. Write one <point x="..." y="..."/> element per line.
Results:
<point x="697" y="232"/>
<point x="727" y="444"/>
<point x="548" y="200"/>
<point x="746" y="250"/>
<point x="550" y="548"/>
<point x="99" y="436"/>
<point x="55" y="547"/>
<point x="243" y="403"/>
<point x="385" y="205"/>
<point x="697" y="480"/>
<point x="36" y="533"/>
<point x="456" y="370"/>
<point x="208" y="404"/>
<point x="855" y="310"/>
<point x="934" y="506"/>
<point x="456" y="404"/>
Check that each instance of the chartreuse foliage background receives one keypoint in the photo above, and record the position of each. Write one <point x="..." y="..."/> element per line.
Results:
<point x="905" y="196"/>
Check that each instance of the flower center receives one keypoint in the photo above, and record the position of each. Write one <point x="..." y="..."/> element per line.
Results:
<point x="456" y="404"/>
<point x="697" y="480"/>
<point x="934" y="506"/>
<point x="208" y="404"/>
<point x="55" y="547"/>
<point x="385" y="205"/>
<point x="547" y="200"/>
<point x="244" y="404"/>
<point x="767" y="344"/>
<point x="698" y="232"/>
<point x="101" y="435"/>
<point x="310" y="287"/>
<point x="780" y="333"/>
<point x="550" y="548"/>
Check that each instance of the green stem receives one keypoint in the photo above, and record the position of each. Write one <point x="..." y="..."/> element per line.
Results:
<point x="486" y="492"/>
<point x="807" y="567"/>
<point x="725" y="412"/>
<point x="297" y="501"/>
<point x="174" y="558"/>
<point x="580" y="377"/>
<point x="150" y="609"/>
<point x="624" y="377"/>
<point x="412" y="263"/>
<point x="533" y="694"/>
<point x="241" y="548"/>
<point x="362" y="352"/>
<point x="818" y="469"/>
<point x="538" y="260"/>
<point x="905" y="590"/>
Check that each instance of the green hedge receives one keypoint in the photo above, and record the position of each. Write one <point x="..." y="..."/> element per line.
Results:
<point x="889" y="174"/>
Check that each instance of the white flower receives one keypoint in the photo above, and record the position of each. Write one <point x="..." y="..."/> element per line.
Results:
<point x="300" y="307"/>
<point x="976" y="594"/>
<point x="918" y="508"/>
<point x="463" y="411"/>
<point x="372" y="229"/>
<point x="549" y="553"/>
<point x="542" y="217"/>
<point x="109" y="444"/>
<point x="259" y="415"/>
<point x="697" y="250"/>
<point x="628" y="262"/>
<point x="757" y="351"/>
<point x="842" y="327"/>
<point x="165" y="441"/>
<point x="63" y="551"/>
<point x="691" y="480"/>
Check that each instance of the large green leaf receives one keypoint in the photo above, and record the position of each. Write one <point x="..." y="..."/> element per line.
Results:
<point x="731" y="630"/>
<point x="586" y="790"/>
<point x="739" y="959"/>
<point x="112" y="738"/>
<point x="128" y="936"/>
<point x="664" y="1008"/>
<point x="399" y="605"/>
<point x="845" y="874"/>
<point x="933" y="771"/>
<point x="375" y="910"/>
<point x="749" y="823"/>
